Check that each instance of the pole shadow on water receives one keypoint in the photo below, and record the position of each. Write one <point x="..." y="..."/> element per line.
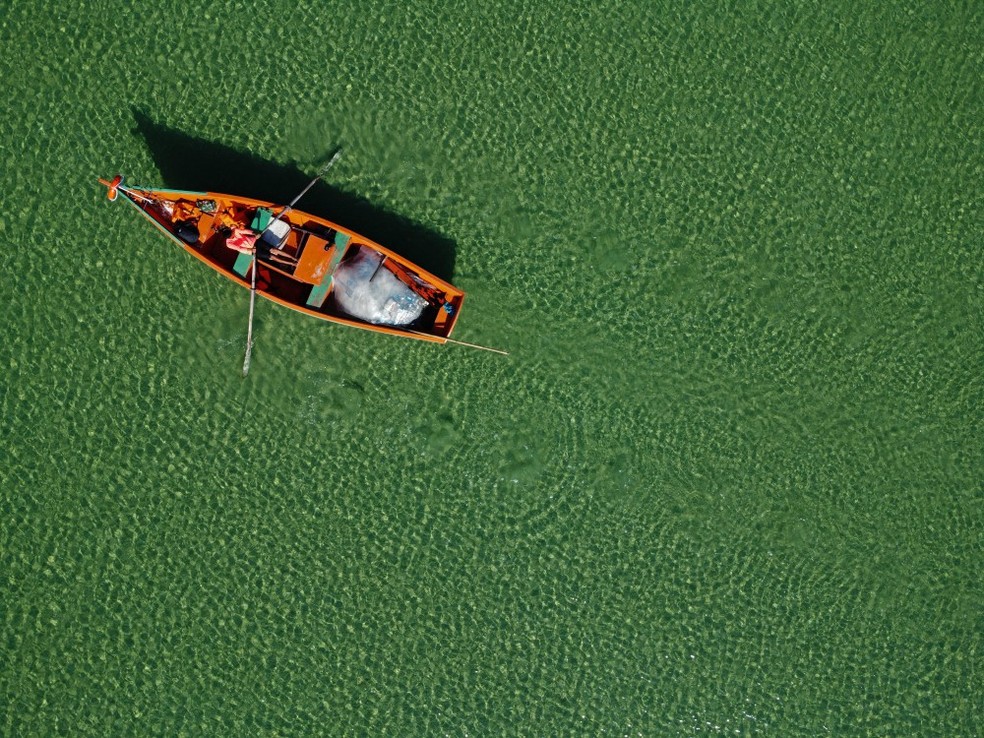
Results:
<point x="186" y="162"/>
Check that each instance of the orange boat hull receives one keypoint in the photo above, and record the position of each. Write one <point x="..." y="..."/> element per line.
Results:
<point x="297" y="261"/>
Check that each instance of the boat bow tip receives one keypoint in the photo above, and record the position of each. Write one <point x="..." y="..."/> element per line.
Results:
<point x="113" y="186"/>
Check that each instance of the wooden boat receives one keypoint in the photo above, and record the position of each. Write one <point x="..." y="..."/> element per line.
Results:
<point x="303" y="262"/>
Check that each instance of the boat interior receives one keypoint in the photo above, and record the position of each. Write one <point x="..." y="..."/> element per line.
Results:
<point x="297" y="256"/>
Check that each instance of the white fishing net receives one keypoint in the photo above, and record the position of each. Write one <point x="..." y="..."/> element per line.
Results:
<point x="366" y="290"/>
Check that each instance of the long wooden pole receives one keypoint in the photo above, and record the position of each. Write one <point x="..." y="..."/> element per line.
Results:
<point x="476" y="346"/>
<point x="463" y="343"/>
<point x="252" y="282"/>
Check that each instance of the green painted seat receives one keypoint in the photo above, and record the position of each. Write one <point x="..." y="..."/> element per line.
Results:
<point x="241" y="267"/>
<point x="320" y="292"/>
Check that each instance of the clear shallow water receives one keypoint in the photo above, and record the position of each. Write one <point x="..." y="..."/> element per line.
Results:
<point x="728" y="481"/>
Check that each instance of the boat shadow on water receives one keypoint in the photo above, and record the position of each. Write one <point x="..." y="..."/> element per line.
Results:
<point x="186" y="162"/>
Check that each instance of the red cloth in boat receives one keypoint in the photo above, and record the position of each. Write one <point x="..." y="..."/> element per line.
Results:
<point x="242" y="239"/>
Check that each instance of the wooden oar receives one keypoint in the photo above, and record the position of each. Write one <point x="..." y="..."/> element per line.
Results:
<point x="252" y="282"/>
<point x="252" y="304"/>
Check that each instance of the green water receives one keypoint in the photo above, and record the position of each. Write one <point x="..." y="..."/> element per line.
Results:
<point x="728" y="481"/>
